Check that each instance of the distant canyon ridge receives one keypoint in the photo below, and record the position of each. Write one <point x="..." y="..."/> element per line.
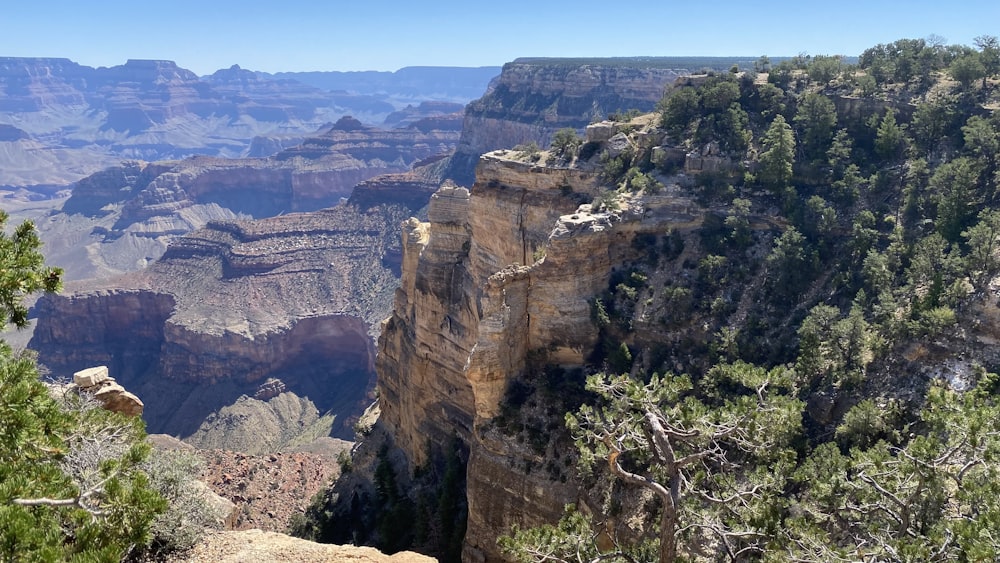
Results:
<point x="61" y="121"/>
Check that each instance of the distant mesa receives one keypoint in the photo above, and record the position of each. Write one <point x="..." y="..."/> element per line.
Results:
<point x="348" y="123"/>
<point x="410" y="115"/>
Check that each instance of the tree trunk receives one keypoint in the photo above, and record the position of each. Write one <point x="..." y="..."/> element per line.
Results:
<point x="668" y="534"/>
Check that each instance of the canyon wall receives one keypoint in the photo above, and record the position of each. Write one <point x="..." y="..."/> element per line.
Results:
<point x="69" y="120"/>
<point x="122" y="218"/>
<point x="534" y="98"/>
<point x="233" y="307"/>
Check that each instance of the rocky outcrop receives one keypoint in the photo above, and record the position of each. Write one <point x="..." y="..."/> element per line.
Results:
<point x="499" y="273"/>
<point x="296" y="298"/>
<point x="112" y="396"/>
<point x="534" y="98"/>
<point x="257" y="545"/>
<point x="412" y="189"/>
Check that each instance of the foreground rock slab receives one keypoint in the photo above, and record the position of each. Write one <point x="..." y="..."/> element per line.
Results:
<point x="257" y="546"/>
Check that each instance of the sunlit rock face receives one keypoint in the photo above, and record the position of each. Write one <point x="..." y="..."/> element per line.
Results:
<point x="499" y="272"/>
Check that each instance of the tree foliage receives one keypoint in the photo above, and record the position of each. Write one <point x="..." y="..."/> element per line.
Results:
<point x="933" y="498"/>
<point x="73" y="484"/>
<point x="70" y="483"/>
<point x="708" y="460"/>
<point x="22" y="271"/>
<point x="885" y="249"/>
<point x="778" y="155"/>
<point x="816" y="118"/>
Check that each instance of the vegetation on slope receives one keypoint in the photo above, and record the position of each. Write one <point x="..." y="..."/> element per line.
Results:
<point x="77" y="482"/>
<point x="850" y="243"/>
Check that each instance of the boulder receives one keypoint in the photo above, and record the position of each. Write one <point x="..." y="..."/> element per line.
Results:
<point x="89" y="377"/>
<point x="601" y="132"/>
<point x="115" y="398"/>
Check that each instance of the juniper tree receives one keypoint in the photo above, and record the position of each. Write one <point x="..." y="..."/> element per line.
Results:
<point x="22" y="271"/>
<point x="932" y="497"/>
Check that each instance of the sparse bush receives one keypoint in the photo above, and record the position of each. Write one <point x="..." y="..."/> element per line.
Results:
<point x="607" y="201"/>
<point x="565" y="142"/>
<point x="613" y="168"/>
<point x="345" y="461"/>
<point x="529" y="151"/>
<point x="174" y="474"/>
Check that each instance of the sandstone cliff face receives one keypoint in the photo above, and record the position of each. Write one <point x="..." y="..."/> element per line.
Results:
<point x="533" y="98"/>
<point x="498" y="273"/>
<point x="227" y="309"/>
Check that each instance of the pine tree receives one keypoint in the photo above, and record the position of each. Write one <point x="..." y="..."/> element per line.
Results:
<point x="778" y="157"/>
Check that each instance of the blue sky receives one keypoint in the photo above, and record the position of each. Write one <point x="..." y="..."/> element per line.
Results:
<point x="297" y="35"/>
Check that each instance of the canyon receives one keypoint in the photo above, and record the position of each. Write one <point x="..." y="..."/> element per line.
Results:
<point x="443" y="309"/>
<point x="259" y="334"/>
<point x="280" y="310"/>
<point x="122" y="218"/>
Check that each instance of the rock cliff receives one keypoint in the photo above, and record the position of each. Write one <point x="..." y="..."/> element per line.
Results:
<point x="499" y="274"/>
<point x="232" y="308"/>
<point x="533" y="98"/>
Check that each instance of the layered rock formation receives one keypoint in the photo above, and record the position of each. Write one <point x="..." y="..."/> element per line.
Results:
<point x="500" y="273"/>
<point x="233" y="307"/>
<point x="412" y="114"/>
<point x="533" y="98"/>
<point x="126" y="215"/>
<point x="314" y="174"/>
